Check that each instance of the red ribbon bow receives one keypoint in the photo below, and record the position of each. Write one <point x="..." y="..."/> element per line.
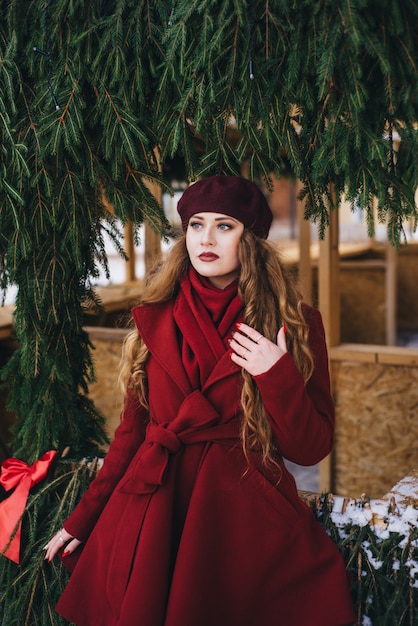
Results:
<point x="16" y="473"/>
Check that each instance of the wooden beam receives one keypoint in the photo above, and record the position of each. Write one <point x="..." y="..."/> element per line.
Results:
<point x="374" y="353"/>
<point x="152" y="249"/>
<point x="390" y="294"/>
<point x="130" y="271"/>
<point x="329" y="305"/>
<point x="328" y="282"/>
<point x="305" y="262"/>
<point x="152" y="240"/>
<point x="6" y="320"/>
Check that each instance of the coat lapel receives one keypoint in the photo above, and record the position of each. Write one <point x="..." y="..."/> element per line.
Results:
<point x="224" y="368"/>
<point x="156" y="326"/>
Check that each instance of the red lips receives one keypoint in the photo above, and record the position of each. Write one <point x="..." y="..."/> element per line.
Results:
<point x="208" y="256"/>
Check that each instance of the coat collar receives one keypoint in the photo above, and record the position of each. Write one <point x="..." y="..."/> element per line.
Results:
<point x="156" y="326"/>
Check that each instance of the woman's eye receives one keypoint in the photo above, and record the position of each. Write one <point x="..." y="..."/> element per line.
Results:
<point x="195" y="225"/>
<point x="225" y="226"/>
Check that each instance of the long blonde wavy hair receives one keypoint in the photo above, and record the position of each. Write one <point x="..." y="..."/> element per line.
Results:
<point x="270" y="300"/>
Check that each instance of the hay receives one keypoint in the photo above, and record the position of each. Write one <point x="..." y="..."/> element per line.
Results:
<point x="363" y="304"/>
<point x="105" y="392"/>
<point x="376" y="437"/>
<point x="407" y="293"/>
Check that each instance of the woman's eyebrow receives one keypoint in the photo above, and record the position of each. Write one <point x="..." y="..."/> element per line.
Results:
<point x="221" y="218"/>
<point x="225" y="217"/>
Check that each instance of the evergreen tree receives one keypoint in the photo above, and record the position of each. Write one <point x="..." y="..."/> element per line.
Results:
<point x="323" y="85"/>
<point x="96" y="96"/>
<point x="81" y="111"/>
<point x="95" y="93"/>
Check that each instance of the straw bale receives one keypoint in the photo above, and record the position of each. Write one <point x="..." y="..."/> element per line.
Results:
<point x="407" y="293"/>
<point x="362" y="291"/>
<point x="105" y="392"/>
<point x="376" y="438"/>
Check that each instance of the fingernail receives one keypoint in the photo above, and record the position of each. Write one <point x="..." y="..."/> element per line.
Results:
<point x="238" y="324"/>
<point x="284" y="328"/>
<point x="65" y="553"/>
<point x="230" y="353"/>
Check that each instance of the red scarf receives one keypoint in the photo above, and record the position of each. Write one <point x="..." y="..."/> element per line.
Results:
<point x="206" y="317"/>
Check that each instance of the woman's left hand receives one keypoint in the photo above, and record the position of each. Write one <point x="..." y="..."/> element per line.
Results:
<point x="254" y="352"/>
<point x="61" y="539"/>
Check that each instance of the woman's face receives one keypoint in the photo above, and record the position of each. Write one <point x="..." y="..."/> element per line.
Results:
<point x="212" y="243"/>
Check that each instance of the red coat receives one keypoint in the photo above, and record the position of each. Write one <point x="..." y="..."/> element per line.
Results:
<point x="179" y="531"/>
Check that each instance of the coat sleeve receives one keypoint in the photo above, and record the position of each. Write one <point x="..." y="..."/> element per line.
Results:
<point x="128" y="437"/>
<point x="302" y="416"/>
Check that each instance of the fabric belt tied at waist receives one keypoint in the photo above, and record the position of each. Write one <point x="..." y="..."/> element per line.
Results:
<point x="197" y="422"/>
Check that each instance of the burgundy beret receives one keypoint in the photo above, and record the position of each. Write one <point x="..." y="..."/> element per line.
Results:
<point x="231" y="195"/>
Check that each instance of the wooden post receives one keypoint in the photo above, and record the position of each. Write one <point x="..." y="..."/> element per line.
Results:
<point x="329" y="305"/>
<point x="328" y="282"/>
<point x="390" y="295"/>
<point x="390" y="274"/>
<point x="152" y="240"/>
<point x="130" y="272"/>
<point x="305" y="265"/>
<point x="128" y="236"/>
<point x="152" y="249"/>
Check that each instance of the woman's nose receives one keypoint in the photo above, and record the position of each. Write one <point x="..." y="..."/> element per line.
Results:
<point x="208" y="236"/>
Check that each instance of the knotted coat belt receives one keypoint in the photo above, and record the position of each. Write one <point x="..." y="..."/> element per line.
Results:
<point x="150" y="480"/>
<point x="197" y="421"/>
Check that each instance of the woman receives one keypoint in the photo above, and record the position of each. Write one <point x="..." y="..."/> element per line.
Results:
<point x="194" y="520"/>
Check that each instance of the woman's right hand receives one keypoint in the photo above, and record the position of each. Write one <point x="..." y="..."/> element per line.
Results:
<point x="60" y="540"/>
<point x="254" y="352"/>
